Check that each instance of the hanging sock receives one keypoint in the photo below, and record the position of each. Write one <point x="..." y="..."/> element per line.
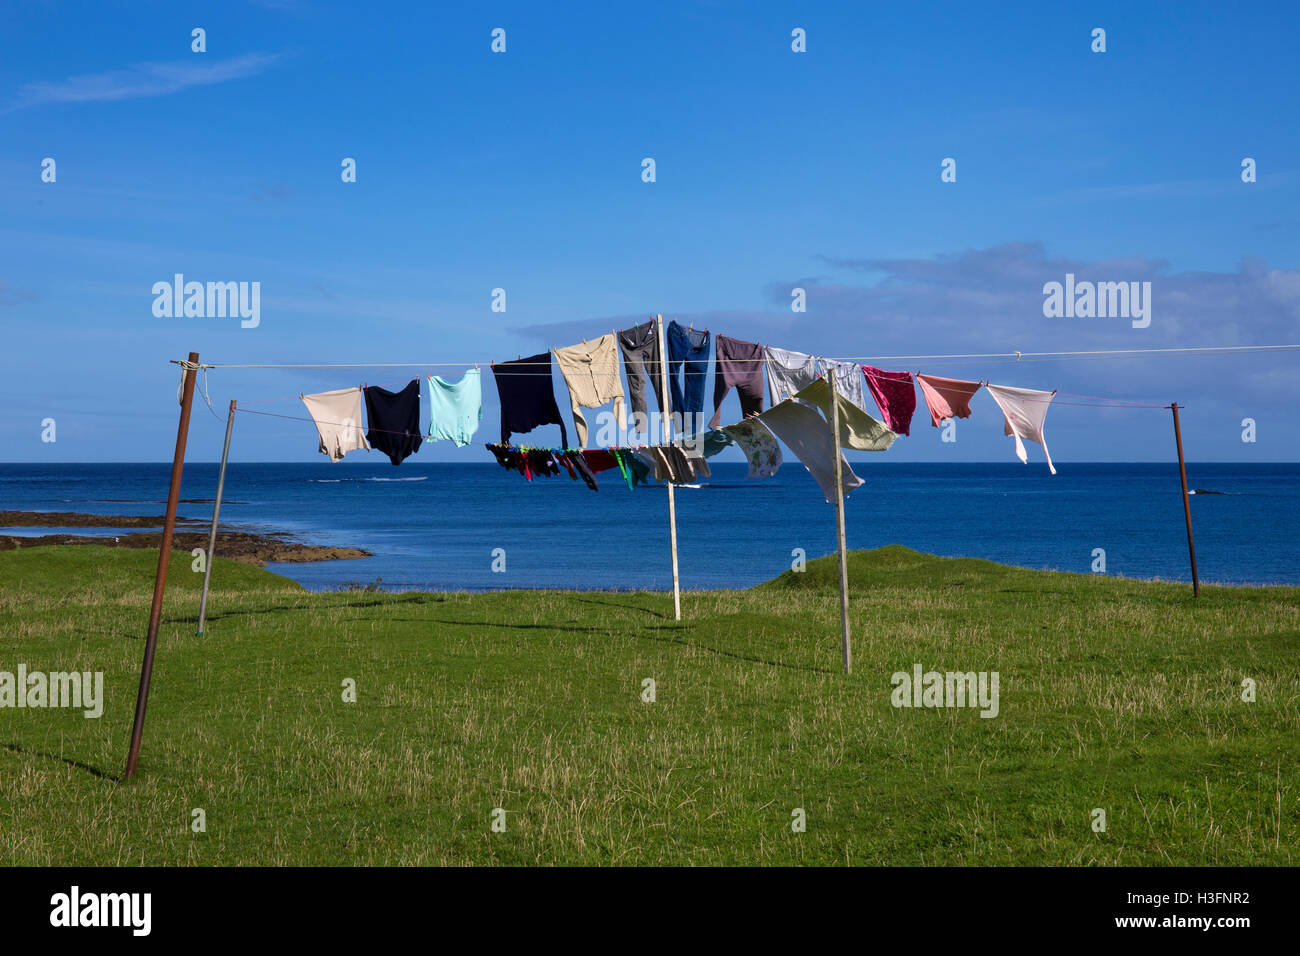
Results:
<point x="637" y="467"/>
<point x="622" y="467"/>
<point x="591" y="372"/>
<point x="507" y="457"/>
<point x="527" y="398"/>
<point x="806" y="433"/>
<point x="579" y="462"/>
<point x="740" y="365"/>
<point x="337" y="416"/>
<point x="946" y="397"/>
<point x="894" y="394"/>
<point x="563" y="458"/>
<point x="1024" y="410"/>
<point x="848" y="380"/>
<point x="787" y="372"/>
<point x="455" y="408"/>
<point x="858" y="430"/>
<point x="542" y="463"/>
<point x="759" y="445"/>
<point x="394" y="420"/>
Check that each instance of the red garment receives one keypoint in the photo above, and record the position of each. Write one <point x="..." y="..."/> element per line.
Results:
<point x="563" y="458"/>
<point x="946" y="397"/>
<point x="599" y="459"/>
<point x="894" y="394"/>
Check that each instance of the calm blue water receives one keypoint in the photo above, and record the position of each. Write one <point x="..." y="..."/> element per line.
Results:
<point x="434" y="526"/>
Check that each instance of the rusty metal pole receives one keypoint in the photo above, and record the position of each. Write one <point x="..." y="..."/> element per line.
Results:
<point x="164" y="556"/>
<point x="1187" y="503"/>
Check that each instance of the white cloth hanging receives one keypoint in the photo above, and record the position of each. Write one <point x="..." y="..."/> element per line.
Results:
<point x="337" y="415"/>
<point x="1024" y="410"/>
<point x="788" y="372"/>
<point x="849" y="381"/>
<point x="806" y="433"/>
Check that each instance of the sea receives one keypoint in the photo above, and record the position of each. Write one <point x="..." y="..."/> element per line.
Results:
<point x="475" y="526"/>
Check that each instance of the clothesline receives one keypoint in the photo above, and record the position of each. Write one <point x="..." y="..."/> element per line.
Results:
<point x="1015" y="356"/>
<point x="653" y="358"/>
<point x="1099" y="401"/>
<point x="404" y="434"/>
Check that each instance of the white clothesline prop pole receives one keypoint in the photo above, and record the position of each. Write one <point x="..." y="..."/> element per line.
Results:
<point x="839" y="523"/>
<point x="216" y="510"/>
<point x="668" y="437"/>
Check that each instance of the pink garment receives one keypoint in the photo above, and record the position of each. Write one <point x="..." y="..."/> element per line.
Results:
<point x="946" y="397"/>
<point x="894" y="394"/>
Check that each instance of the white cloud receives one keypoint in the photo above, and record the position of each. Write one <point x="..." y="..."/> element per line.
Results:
<point x="142" y="80"/>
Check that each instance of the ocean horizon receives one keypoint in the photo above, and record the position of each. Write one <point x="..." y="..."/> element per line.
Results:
<point x="443" y="526"/>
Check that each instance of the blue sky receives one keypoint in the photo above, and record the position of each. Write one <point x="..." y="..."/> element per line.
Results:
<point x="522" y="171"/>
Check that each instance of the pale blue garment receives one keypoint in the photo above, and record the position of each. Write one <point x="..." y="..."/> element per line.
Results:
<point x="455" y="407"/>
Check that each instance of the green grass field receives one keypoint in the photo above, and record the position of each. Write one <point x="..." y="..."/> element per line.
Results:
<point x="1119" y="695"/>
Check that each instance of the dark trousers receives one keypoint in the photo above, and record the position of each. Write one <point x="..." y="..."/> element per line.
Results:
<point x="640" y="347"/>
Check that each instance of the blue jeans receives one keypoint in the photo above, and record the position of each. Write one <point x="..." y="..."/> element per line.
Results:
<point x="688" y="351"/>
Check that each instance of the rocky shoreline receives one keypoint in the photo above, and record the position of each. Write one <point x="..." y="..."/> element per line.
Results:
<point x="259" y="548"/>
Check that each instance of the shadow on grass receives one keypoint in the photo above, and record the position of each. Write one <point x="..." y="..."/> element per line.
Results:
<point x="567" y="628"/>
<point x="94" y="771"/>
<point x="627" y="607"/>
<point x="734" y="656"/>
<point x="219" y="615"/>
<point x="648" y="633"/>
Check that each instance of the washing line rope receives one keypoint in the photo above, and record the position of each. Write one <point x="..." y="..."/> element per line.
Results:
<point x="1006" y="358"/>
<point x="1015" y="356"/>
<point x="389" y="431"/>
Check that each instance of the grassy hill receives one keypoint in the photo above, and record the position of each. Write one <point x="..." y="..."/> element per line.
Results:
<point x="1119" y="695"/>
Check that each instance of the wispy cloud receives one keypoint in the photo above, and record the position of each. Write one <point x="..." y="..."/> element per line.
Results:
<point x="991" y="300"/>
<point x="142" y="80"/>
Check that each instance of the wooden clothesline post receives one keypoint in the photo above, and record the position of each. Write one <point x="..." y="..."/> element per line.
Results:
<point x="216" y="510"/>
<point x="1187" y="503"/>
<point x="164" y="558"/>
<point x="666" y="409"/>
<point x="839" y="523"/>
